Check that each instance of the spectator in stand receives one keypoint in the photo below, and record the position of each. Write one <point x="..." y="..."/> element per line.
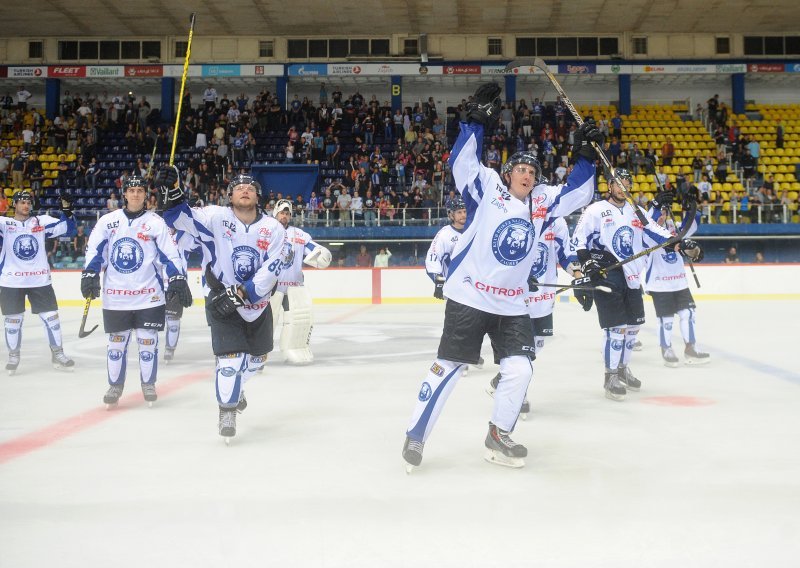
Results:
<point x="79" y="241"/>
<point x="4" y="170"/>
<point x="779" y="133"/>
<point x="732" y="256"/>
<point x="748" y="163"/>
<point x="382" y="258"/>
<point x="19" y="166"/>
<point x="23" y="96"/>
<point x="364" y="259"/>
<point x="112" y="203"/>
<point x="667" y="152"/>
<point x="343" y="206"/>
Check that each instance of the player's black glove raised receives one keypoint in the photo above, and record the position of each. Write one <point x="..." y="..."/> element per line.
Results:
<point x="225" y="301"/>
<point x="593" y="271"/>
<point x="691" y="250"/>
<point x="90" y="284"/>
<point x="663" y="199"/>
<point x="178" y="288"/>
<point x="485" y="109"/>
<point x="583" y="138"/>
<point x="167" y="181"/>
<point x="438" y="290"/>
<point x="585" y="297"/>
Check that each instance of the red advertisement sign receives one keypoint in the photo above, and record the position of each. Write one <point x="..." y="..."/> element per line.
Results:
<point x="765" y="67"/>
<point x="3" y="71"/>
<point x="66" y="71"/>
<point x="144" y="71"/>
<point x="461" y="70"/>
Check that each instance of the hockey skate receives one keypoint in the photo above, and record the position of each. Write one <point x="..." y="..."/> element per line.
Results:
<point x="149" y="392"/>
<point x="111" y="398"/>
<point x="169" y="354"/>
<point x="493" y="385"/>
<point x="502" y="450"/>
<point x="13" y="362"/>
<point x="479" y="364"/>
<point x="615" y="390"/>
<point x="412" y="453"/>
<point x="242" y="403"/>
<point x="695" y="357"/>
<point x="61" y="361"/>
<point x="670" y="359"/>
<point x="626" y="378"/>
<point x="637" y="345"/>
<point x="227" y="423"/>
<point x="525" y="409"/>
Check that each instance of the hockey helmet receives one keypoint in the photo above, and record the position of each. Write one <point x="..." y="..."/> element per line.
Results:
<point x="133" y="181"/>
<point x="282" y="205"/>
<point x="244" y="179"/>
<point x="456" y="204"/>
<point x="23" y="195"/>
<point x="623" y="174"/>
<point x="528" y="158"/>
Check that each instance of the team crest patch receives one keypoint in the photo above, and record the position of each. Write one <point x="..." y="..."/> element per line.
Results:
<point x="127" y="255"/>
<point x="511" y="241"/>
<point x="25" y="247"/>
<point x="425" y="392"/>
<point x="245" y="262"/>
<point x="670" y="257"/>
<point x="437" y="370"/>
<point x="623" y="242"/>
<point x="540" y="260"/>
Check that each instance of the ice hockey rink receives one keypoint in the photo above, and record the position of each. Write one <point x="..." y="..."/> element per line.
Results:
<point x="700" y="468"/>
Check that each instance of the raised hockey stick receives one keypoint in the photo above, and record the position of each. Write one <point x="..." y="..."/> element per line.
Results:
<point x="542" y="66"/>
<point x="580" y="286"/>
<point x="672" y="218"/>
<point x="82" y="331"/>
<point x="183" y="85"/>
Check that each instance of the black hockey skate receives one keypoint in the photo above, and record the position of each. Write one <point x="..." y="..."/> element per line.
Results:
<point x="111" y="398"/>
<point x="242" y="403"/>
<point x="412" y="453"/>
<point x="169" y="354"/>
<point x="637" y="345"/>
<point x="13" y="362"/>
<point x="61" y="361"/>
<point x="615" y="390"/>
<point x="227" y="423"/>
<point x="627" y="379"/>
<point x="149" y="392"/>
<point x="670" y="359"/>
<point x="695" y="357"/>
<point x="502" y="450"/>
<point x="493" y="385"/>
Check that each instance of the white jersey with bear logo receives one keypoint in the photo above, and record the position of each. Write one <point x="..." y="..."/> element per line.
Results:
<point x="23" y="258"/>
<point x="492" y="259"/>
<point x="248" y="255"/>
<point x="301" y="245"/>
<point x="553" y="248"/>
<point x="135" y="253"/>
<point x="437" y="261"/>
<point x="665" y="270"/>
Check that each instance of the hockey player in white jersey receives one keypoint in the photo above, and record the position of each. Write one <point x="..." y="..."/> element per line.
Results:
<point x="554" y="249"/>
<point x="437" y="261"/>
<point x="243" y="254"/>
<point x="185" y="244"/>
<point x="291" y="299"/>
<point x="132" y="247"/>
<point x="607" y="232"/>
<point x="24" y="271"/>
<point x="487" y="278"/>
<point x="666" y="282"/>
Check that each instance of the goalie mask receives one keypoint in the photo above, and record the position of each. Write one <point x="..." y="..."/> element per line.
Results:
<point x="527" y="158"/>
<point x="244" y="179"/>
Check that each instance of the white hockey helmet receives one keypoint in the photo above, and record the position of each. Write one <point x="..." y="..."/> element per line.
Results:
<point x="282" y="205"/>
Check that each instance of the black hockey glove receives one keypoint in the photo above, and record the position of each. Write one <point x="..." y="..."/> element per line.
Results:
<point x="663" y="199"/>
<point x="691" y="250"/>
<point x="90" y="284"/>
<point x="485" y="109"/>
<point x="593" y="271"/>
<point x="438" y="290"/>
<point x="66" y="205"/>
<point x="533" y="284"/>
<point x="583" y="138"/>
<point x="585" y="297"/>
<point x="167" y="181"/>
<point x="178" y="288"/>
<point x="689" y="200"/>
<point x="224" y="302"/>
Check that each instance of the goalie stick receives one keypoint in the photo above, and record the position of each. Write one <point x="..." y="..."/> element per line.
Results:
<point x="542" y="66"/>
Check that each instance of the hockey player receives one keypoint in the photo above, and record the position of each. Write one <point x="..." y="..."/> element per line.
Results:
<point x="131" y="246"/>
<point x="174" y="309"/>
<point x="665" y="281"/>
<point x="291" y="298"/>
<point x="608" y="232"/>
<point x="26" y="273"/>
<point x="552" y="250"/>
<point x="486" y="284"/>
<point x="243" y="254"/>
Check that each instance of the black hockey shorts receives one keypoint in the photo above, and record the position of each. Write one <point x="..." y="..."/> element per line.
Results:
<point x="623" y="306"/>
<point x="42" y="299"/>
<point x="123" y="320"/>
<point x="543" y="326"/>
<point x="235" y="335"/>
<point x="464" y="328"/>
<point x="670" y="303"/>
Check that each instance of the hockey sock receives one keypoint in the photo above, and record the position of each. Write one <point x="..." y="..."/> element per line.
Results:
<point x="436" y="387"/>
<point x="230" y="368"/>
<point x="173" y="332"/>
<point x="665" y="334"/>
<point x="117" y="356"/>
<point x="14" y="331"/>
<point x="614" y="344"/>
<point x="687" y="325"/>
<point x="539" y="343"/>
<point x="517" y="372"/>
<point x="148" y="354"/>
<point x="630" y="339"/>
<point x="53" y="326"/>
<point x="254" y="364"/>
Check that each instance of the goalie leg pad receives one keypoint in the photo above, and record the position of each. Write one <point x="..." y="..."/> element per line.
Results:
<point x="297" y="325"/>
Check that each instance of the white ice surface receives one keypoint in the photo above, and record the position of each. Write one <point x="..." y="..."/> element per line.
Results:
<point x="314" y="477"/>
